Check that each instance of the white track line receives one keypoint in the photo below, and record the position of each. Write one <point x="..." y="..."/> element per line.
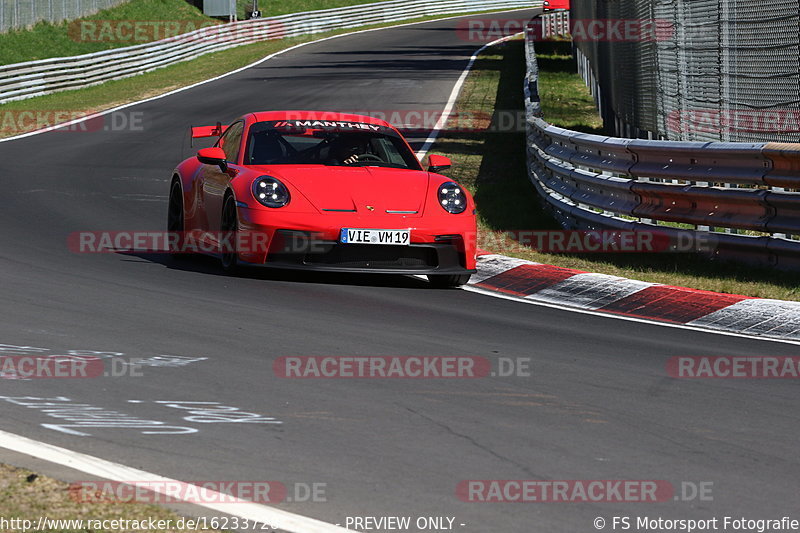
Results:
<point x="263" y="514"/>
<point x="451" y="101"/>
<point x="426" y="146"/>
<point x="102" y="468"/>
<point x="267" y="58"/>
<point x="565" y="307"/>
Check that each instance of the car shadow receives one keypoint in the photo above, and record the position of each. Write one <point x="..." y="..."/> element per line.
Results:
<point x="208" y="265"/>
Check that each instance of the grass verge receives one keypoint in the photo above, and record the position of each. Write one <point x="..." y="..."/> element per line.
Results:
<point x="492" y="165"/>
<point x="80" y="102"/>
<point x="25" y="495"/>
<point x="45" y="40"/>
<point x="64" y="39"/>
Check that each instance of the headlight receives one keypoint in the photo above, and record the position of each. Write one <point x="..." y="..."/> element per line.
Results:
<point x="270" y="192"/>
<point x="452" y="198"/>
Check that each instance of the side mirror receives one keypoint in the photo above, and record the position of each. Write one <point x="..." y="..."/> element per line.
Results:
<point x="437" y="163"/>
<point x="213" y="156"/>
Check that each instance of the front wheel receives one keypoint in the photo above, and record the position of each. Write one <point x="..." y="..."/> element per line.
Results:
<point x="448" y="281"/>
<point x="229" y="226"/>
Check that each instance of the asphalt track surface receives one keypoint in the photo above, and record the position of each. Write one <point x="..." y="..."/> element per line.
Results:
<point x="599" y="404"/>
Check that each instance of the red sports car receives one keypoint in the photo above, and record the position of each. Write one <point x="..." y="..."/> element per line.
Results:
<point x="551" y="5"/>
<point x="324" y="191"/>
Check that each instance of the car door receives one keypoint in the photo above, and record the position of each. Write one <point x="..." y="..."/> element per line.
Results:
<point x="215" y="181"/>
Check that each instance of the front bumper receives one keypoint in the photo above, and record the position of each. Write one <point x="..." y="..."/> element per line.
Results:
<point x="311" y="243"/>
<point x="441" y="258"/>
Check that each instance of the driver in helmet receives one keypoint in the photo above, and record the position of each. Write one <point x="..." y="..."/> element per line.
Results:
<point x="347" y="149"/>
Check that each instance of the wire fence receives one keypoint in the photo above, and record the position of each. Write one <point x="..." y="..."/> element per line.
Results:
<point x="18" y="14"/>
<point x="714" y="70"/>
<point x="725" y="200"/>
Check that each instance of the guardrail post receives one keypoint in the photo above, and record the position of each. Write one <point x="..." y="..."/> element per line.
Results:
<point x="785" y="168"/>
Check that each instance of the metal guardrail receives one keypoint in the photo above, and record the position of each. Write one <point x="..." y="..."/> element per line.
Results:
<point x="34" y="78"/>
<point x="740" y="200"/>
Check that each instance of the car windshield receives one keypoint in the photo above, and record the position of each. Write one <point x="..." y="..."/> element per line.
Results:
<point x="339" y="143"/>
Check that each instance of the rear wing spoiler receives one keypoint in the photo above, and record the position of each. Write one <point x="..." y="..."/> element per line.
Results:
<point x="199" y="132"/>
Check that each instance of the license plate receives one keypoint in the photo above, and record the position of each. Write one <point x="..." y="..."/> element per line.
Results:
<point x="376" y="236"/>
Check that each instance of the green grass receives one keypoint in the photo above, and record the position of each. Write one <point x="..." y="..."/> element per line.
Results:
<point x="46" y="40"/>
<point x="566" y="102"/>
<point x="113" y="93"/>
<point x="493" y="166"/>
<point x="25" y="495"/>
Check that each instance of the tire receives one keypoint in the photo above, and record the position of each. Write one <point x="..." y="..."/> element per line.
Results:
<point x="175" y="220"/>
<point x="448" y="281"/>
<point x="230" y="223"/>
